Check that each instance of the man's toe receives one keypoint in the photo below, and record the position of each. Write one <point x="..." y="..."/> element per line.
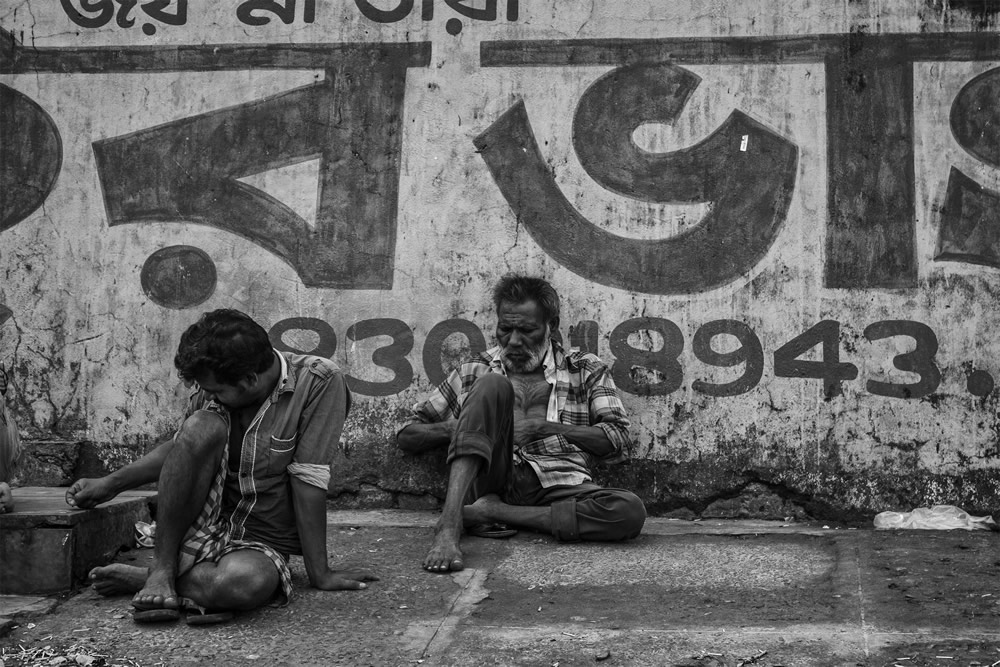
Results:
<point x="156" y="602"/>
<point x="439" y="565"/>
<point x="143" y="602"/>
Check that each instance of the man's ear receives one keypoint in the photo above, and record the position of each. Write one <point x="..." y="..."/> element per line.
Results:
<point x="553" y="325"/>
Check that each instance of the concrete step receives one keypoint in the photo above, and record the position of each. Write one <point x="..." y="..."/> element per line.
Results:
<point x="46" y="546"/>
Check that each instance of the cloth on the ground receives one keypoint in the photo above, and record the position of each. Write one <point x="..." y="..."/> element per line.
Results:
<point x="939" y="517"/>
<point x="582" y="394"/>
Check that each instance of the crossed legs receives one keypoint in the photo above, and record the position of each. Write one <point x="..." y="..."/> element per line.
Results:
<point x="242" y="579"/>
<point x="480" y="458"/>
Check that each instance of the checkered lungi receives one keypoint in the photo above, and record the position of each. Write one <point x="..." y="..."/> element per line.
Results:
<point x="209" y="539"/>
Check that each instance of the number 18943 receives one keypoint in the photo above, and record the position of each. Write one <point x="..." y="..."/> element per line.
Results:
<point x="789" y="359"/>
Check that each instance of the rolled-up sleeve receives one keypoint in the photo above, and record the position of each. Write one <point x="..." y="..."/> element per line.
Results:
<point x="320" y="428"/>
<point x="608" y="412"/>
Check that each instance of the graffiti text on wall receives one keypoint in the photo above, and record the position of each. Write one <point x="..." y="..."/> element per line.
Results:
<point x="648" y="350"/>
<point x="454" y="25"/>
<point x="745" y="169"/>
<point x="30" y="159"/>
<point x="871" y="222"/>
<point x="98" y="13"/>
<point x="187" y="170"/>
<point x="157" y="13"/>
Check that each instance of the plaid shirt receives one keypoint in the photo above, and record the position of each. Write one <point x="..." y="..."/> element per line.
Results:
<point x="583" y="394"/>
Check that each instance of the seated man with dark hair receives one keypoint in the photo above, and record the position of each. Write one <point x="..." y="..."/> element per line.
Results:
<point x="524" y="423"/>
<point x="243" y="482"/>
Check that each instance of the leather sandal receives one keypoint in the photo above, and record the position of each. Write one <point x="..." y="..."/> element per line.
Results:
<point x="496" y="531"/>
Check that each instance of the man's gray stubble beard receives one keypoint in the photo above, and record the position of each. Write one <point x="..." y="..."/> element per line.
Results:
<point x="535" y="356"/>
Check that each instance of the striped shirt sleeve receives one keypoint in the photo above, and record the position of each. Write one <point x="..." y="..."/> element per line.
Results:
<point x="445" y="401"/>
<point x="605" y="407"/>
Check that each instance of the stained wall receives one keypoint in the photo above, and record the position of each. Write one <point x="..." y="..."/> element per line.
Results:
<point x="779" y="221"/>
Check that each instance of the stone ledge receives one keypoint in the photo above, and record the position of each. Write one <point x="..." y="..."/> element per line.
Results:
<point x="48" y="547"/>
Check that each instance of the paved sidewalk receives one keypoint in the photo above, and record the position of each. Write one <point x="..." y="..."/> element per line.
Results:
<point x="697" y="594"/>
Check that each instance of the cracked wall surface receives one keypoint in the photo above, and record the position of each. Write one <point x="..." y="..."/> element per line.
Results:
<point x="777" y="221"/>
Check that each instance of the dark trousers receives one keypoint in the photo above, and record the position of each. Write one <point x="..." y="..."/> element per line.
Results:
<point x="579" y="512"/>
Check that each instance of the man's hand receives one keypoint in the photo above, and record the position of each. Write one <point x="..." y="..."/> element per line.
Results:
<point x="529" y="429"/>
<point x="310" y="519"/>
<point x="348" y="579"/>
<point x="6" y="498"/>
<point x="88" y="493"/>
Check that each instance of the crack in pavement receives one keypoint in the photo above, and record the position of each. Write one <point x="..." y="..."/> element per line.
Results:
<point x="432" y="639"/>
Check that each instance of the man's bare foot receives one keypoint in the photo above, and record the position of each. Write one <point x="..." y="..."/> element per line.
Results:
<point x="479" y="512"/>
<point x="444" y="556"/>
<point x="118" y="579"/>
<point x="158" y="592"/>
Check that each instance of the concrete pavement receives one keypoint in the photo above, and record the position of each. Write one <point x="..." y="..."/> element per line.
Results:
<point x="691" y="593"/>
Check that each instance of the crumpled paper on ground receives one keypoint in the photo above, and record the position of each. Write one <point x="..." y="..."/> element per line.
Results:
<point x="939" y="517"/>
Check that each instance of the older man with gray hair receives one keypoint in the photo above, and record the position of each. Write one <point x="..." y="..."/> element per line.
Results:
<point x="524" y="422"/>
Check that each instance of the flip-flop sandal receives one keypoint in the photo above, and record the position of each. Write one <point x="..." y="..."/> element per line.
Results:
<point x="143" y="613"/>
<point x="208" y="617"/>
<point x="197" y="615"/>
<point x="496" y="531"/>
<point x="155" y="615"/>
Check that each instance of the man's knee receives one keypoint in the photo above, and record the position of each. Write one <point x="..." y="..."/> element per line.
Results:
<point x="607" y="515"/>
<point x="484" y="423"/>
<point x="244" y="579"/>
<point x="632" y="515"/>
<point x="202" y="434"/>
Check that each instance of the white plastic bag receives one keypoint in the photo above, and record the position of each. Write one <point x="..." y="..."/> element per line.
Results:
<point x="939" y="517"/>
<point x="145" y="534"/>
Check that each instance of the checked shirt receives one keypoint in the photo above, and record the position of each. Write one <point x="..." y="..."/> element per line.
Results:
<point x="582" y="394"/>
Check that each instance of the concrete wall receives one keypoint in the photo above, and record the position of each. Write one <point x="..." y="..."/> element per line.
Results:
<point x="779" y="219"/>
